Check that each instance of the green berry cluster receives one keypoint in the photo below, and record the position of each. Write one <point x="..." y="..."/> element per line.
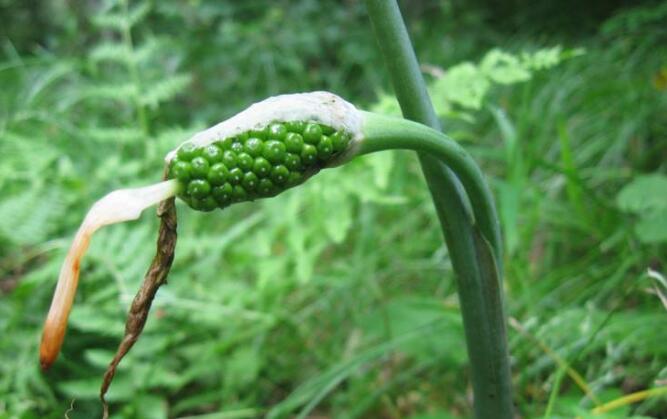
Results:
<point x="255" y="164"/>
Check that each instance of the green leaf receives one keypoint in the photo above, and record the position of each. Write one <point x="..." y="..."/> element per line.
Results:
<point x="464" y="84"/>
<point x="113" y="134"/>
<point x="89" y="388"/>
<point x="100" y="358"/>
<point x="652" y="227"/>
<point x="138" y="13"/>
<point x="165" y="89"/>
<point x="644" y="193"/>
<point x="548" y="57"/>
<point x="121" y="92"/>
<point x="116" y="21"/>
<point x="28" y="218"/>
<point x="95" y="320"/>
<point x="467" y="84"/>
<point x="646" y="196"/>
<point x="149" y="406"/>
<point x="119" y="20"/>
<point x="242" y="367"/>
<point x="111" y="51"/>
<point x="337" y="213"/>
<point x="440" y="330"/>
<point x="503" y="68"/>
<point x="82" y="389"/>
<point x="381" y="164"/>
<point x="439" y="414"/>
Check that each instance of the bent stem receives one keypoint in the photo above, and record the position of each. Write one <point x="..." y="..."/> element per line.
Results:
<point x="384" y="133"/>
<point x="474" y="243"/>
<point x="477" y="273"/>
<point x="116" y="207"/>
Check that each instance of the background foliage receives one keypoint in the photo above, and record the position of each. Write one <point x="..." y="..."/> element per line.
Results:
<point x="335" y="301"/>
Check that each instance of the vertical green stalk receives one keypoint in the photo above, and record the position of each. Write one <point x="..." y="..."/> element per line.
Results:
<point x="477" y="260"/>
<point x="133" y="69"/>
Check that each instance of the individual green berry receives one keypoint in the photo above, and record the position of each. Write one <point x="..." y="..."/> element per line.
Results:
<point x="250" y="181"/>
<point x="265" y="187"/>
<point x="185" y="198"/>
<point x="235" y="176"/>
<point x="223" y="194"/>
<point x="309" y="154"/>
<point x="200" y="167"/>
<point x="312" y="133"/>
<point x="198" y="188"/>
<point x="259" y="133"/>
<point x="295" y="126"/>
<point x="279" y="174"/>
<point x="324" y="148"/>
<point x="245" y="161"/>
<point x="208" y="204"/>
<point x="293" y="142"/>
<point x="196" y="204"/>
<point x="277" y="131"/>
<point x="237" y="147"/>
<point x="339" y="140"/>
<point x="187" y="152"/>
<point x="242" y="137"/>
<point x="229" y="159"/>
<point x="239" y="194"/>
<point x="226" y="143"/>
<point x="327" y="130"/>
<point x="253" y="146"/>
<point x="181" y="170"/>
<point x="294" y="179"/>
<point x="212" y="153"/>
<point x="293" y="161"/>
<point x="261" y="167"/>
<point x="274" y="151"/>
<point x="218" y="174"/>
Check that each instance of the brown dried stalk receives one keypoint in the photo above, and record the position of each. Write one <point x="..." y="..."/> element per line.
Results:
<point x="155" y="277"/>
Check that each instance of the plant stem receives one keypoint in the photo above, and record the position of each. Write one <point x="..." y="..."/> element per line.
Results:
<point x="156" y="276"/>
<point x="384" y="132"/>
<point x="478" y="272"/>
<point x="135" y="74"/>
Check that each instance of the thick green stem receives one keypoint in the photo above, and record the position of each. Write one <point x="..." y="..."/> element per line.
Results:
<point x="477" y="271"/>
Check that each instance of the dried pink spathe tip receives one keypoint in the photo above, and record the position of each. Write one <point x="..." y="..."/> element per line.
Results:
<point x="116" y="207"/>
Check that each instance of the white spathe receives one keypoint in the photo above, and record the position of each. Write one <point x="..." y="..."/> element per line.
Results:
<point x="321" y="107"/>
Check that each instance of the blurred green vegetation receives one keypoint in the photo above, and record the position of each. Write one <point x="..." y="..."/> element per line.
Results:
<point x="335" y="299"/>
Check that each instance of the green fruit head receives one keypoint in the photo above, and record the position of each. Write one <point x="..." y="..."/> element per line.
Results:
<point x="273" y="145"/>
<point x="226" y="172"/>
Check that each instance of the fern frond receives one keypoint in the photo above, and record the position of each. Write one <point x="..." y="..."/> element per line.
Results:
<point x="113" y="134"/>
<point x="147" y="51"/>
<point x="120" y="21"/>
<point x="27" y="218"/>
<point x="21" y="160"/>
<point x="121" y="92"/>
<point x="165" y="89"/>
<point x="113" y="21"/>
<point x="44" y="81"/>
<point x="111" y="51"/>
<point x="138" y="13"/>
